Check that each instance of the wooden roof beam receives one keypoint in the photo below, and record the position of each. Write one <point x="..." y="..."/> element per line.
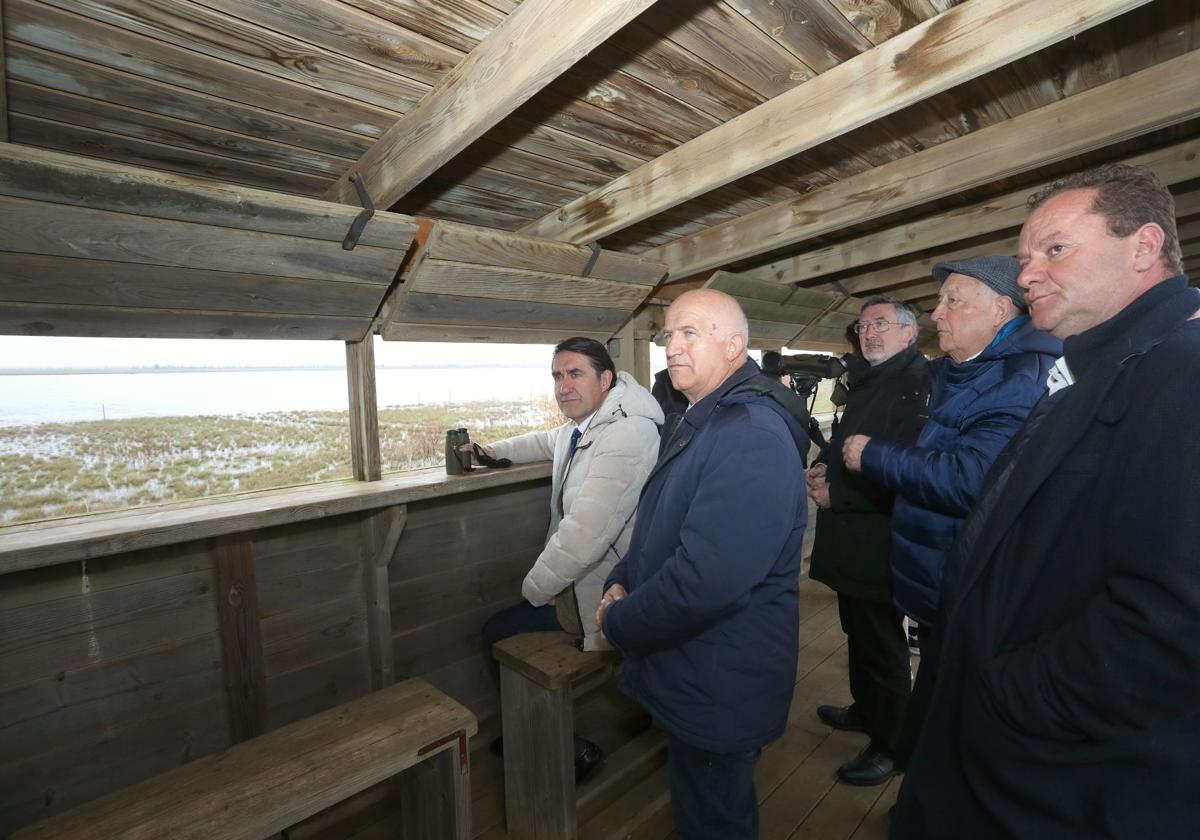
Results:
<point x="1172" y="164"/>
<point x="1156" y="97"/>
<point x="1187" y="206"/>
<point x="956" y="46"/>
<point x="534" y="44"/>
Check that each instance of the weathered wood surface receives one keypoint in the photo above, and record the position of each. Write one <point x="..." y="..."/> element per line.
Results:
<point x="63" y="230"/>
<point x="241" y="640"/>
<point x="1176" y="163"/>
<point x="36" y="278"/>
<point x="3" y="82"/>
<point x="529" y="49"/>
<point x="963" y="43"/>
<point x="1159" y="96"/>
<point x="95" y="535"/>
<point x="465" y="282"/>
<point x="46" y="176"/>
<point x="125" y="322"/>
<point x="364" y="410"/>
<point x="265" y="785"/>
<point x="551" y="659"/>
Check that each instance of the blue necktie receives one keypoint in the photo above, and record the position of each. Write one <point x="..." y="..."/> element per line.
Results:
<point x="575" y="436"/>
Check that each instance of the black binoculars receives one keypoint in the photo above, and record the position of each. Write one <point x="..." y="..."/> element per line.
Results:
<point x="457" y="461"/>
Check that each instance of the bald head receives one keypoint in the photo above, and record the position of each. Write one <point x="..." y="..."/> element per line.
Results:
<point x="706" y="334"/>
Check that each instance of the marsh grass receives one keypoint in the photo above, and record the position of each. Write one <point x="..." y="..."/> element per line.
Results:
<point x="58" y="469"/>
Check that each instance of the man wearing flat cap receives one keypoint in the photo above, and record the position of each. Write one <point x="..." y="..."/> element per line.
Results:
<point x="993" y="372"/>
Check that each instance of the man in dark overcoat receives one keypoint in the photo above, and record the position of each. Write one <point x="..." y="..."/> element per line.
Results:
<point x="1067" y="693"/>
<point x="889" y="398"/>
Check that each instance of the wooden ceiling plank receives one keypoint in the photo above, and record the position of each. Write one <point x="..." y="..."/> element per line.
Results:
<point x="44" y="175"/>
<point x="32" y="278"/>
<point x="117" y="322"/>
<point x="927" y="59"/>
<point x="67" y="108"/>
<point x="75" y="139"/>
<point x="524" y="53"/>
<point x="1156" y="97"/>
<point x="457" y="23"/>
<point x="93" y="81"/>
<point x="480" y="246"/>
<point x="1173" y="164"/>
<point x="811" y="29"/>
<point x="64" y="230"/>
<point x="453" y="278"/>
<point x="344" y="30"/>
<point x="212" y="33"/>
<point x="720" y="36"/>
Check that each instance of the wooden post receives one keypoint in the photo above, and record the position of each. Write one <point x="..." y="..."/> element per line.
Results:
<point x="364" y="409"/>
<point x="3" y="83"/>
<point x="631" y="351"/>
<point x="539" y="770"/>
<point x="381" y="532"/>
<point x="241" y="637"/>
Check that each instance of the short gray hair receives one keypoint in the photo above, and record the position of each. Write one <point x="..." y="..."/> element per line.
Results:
<point x="904" y="313"/>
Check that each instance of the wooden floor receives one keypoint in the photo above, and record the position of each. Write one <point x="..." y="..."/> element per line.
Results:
<point x="799" y="795"/>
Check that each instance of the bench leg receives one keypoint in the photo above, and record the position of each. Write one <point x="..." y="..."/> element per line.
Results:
<point x="539" y="759"/>
<point x="435" y="795"/>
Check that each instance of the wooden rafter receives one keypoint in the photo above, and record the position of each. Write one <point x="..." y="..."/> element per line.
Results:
<point x="1187" y="205"/>
<point x="960" y="44"/>
<point x="1159" y="96"/>
<point x="1173" y="164"/>
<point x="534" y="44"/>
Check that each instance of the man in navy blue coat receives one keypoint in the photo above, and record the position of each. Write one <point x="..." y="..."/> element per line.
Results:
<point x="1067" y="698"/>
<point x="705" y="603"/>
<point x="993" y="373"/>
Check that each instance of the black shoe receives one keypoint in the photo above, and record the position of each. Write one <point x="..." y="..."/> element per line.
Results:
<point x="588" y="760"/>
<point x="497" y="747"/>
<point x="872" y="766"/>
<point x="842" y="717"/>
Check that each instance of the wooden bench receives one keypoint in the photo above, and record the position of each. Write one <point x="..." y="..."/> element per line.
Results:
<point x="260" y="787"/>
<point x="540" y="675"/>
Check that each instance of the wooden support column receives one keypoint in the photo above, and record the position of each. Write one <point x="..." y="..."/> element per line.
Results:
<point x="364" y="409"/>
<point x="241" y="637"/>
<point x="3" y="83"/>
<point x="381" y="530"/>
<point x="631" y="354"/>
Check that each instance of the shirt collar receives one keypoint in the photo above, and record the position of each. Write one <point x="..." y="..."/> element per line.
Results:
<point x="583" y="424"/>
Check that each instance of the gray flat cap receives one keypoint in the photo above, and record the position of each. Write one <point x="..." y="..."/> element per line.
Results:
<point x="997" y="273"/>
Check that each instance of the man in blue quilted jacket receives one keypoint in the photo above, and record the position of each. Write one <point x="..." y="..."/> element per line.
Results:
<point x="993" y="372"/>
<point x="704" y="605"/>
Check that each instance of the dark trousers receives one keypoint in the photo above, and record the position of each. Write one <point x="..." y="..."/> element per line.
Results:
<point x="880" y="680"/>
<point x="918" y="703"/>
<point x="521" y="618"/>
<point x="712" y="794"/>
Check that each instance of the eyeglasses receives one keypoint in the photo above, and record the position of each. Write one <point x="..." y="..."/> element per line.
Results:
<point x="880" y="325"/>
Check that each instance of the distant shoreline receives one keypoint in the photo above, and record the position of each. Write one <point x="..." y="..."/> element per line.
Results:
<point x="52" y="371"/>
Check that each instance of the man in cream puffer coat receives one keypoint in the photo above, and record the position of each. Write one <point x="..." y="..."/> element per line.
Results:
<point x="594" y="492"/>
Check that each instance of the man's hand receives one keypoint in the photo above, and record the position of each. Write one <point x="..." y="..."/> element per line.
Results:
<point x="852" y="451"/>
<point x="818" y="487"/>
<point x="615" y="593"/>
<point x="469" y="448"/>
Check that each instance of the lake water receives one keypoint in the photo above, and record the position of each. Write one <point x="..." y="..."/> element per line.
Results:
<point x="95" y="396"/>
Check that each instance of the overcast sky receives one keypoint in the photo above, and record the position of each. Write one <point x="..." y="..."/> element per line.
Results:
<point x="59" y="352"/>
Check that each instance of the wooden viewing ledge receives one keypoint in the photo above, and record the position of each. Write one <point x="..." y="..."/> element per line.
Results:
<point x="83" y="537"/>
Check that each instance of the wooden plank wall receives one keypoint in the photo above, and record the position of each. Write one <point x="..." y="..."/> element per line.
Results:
<point x="112" y="670"/>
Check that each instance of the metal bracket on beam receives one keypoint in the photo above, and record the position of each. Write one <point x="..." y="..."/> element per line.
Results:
<point x="360" y="221"/>
<point x="591" y="263"/>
